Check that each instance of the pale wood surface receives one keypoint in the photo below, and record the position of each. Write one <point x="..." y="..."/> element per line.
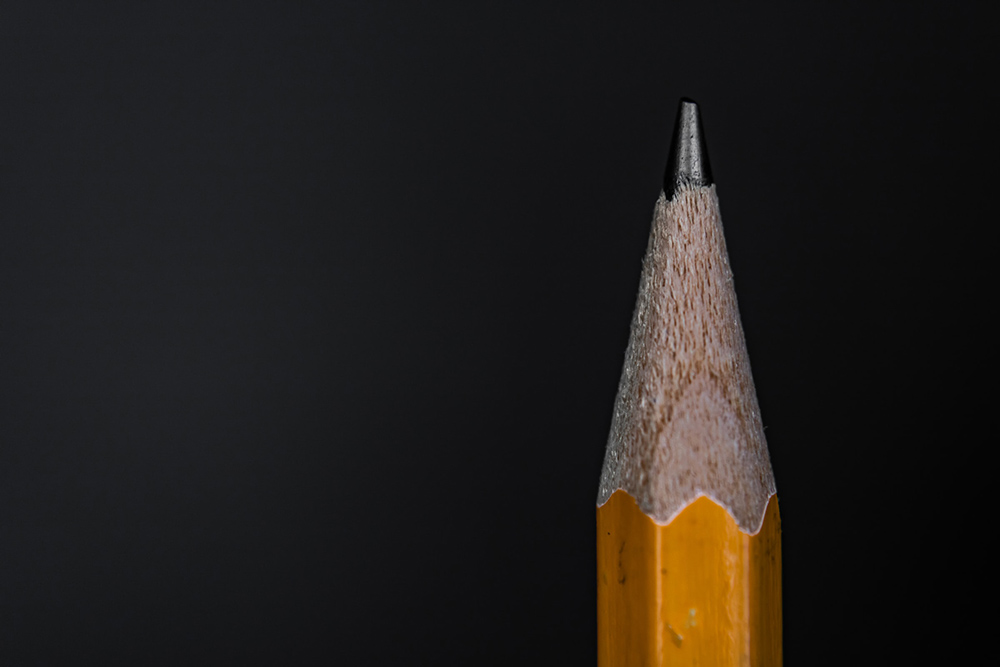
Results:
<point x="686" y="420"/>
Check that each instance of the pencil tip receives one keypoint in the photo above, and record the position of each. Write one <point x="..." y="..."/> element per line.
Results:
<point x="688" y="162"/>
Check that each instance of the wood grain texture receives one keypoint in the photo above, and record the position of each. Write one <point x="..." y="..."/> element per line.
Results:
<point x="697" y="591"/>
<point x="686" y="420"/>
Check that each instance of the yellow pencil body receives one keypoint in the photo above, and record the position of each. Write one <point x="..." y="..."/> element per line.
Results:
<point x="697" y="591"/>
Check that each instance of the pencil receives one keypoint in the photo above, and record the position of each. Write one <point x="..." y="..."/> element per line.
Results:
<point x="688" y="532"/>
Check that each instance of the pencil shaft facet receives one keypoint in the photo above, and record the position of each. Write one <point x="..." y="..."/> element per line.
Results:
<point x="698" y="591"/>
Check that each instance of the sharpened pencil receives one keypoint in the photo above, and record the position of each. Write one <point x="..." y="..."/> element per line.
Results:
<point x="688" y="531"/>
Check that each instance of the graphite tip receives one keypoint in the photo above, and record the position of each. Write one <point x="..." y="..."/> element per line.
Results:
<point x="688" y="162"/>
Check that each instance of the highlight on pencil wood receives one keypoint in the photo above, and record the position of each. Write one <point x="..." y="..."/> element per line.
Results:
<point x="686" y="504"/>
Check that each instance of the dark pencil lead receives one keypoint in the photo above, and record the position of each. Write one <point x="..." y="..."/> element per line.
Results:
<point x="688" y="162"/>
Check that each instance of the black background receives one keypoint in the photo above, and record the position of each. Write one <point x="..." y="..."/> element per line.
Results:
<point x="312" y="315"/>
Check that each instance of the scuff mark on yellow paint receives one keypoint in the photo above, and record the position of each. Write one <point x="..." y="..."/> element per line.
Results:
<point x="674" y="636"/>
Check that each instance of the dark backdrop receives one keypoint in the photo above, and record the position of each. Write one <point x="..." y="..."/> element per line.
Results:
<point x="312" y="315"/>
